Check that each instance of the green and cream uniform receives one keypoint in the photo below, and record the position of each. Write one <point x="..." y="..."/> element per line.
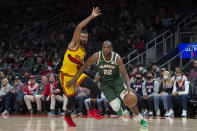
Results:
<point x="111" y="82"/>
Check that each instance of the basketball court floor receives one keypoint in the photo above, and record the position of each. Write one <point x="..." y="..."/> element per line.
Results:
<point x="57" y="123"/>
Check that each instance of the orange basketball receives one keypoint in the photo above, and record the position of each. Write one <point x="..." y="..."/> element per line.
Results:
<point x="130" y="99"/>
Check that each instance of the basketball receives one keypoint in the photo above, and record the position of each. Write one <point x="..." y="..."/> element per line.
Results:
<point x="130" y="99"/>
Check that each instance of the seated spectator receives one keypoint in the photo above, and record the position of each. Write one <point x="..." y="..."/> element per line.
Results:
<point x="179" y="93"/>
<point x="137" y="87"/>
<point x="102" y="102"/>
<point x="5" y="87"/>
<point x="155" y="70"/>
<point x="142" y="69"/>
<point x="38" y="67"/>
<point x="30" y="92"/>
<point x="138" y="45"/>
<point x="56" y="61"/>
<point x="193" y="72"/>
<point x="40" y="97"/>
<point x="25" y="78"/>
<point x="150" y="88"/>
<point x="160" y="78"/>
<point x="165" y="89"/>
<point x="178" y="69"/>
<point x="50" y="87"/>
<point x="58" y="95"/>
<point x="3" y="64"/>
<point x="15" y="95"/>
<point x="166" y="22"/>
<point x="49" y="93"/>
<point x="2" y="75"/>
<point x="81" y="95"/>
<point x="134" y="70"/>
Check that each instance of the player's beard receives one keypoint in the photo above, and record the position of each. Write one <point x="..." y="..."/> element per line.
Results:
<point x="83" y="42"/>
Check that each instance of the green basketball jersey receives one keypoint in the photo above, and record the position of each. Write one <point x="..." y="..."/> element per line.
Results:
<point x="108" y="70"/>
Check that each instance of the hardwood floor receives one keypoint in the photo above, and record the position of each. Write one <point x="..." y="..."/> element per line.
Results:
<point x="57" y="123"/>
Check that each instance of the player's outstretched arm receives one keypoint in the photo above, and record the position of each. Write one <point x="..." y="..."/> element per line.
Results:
<point x="76" y="36"/>
<point x="93" y="59"/>
<point x="123" y="71"/>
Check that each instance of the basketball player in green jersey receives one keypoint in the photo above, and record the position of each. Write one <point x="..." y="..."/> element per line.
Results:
<point x="110" y="66"/>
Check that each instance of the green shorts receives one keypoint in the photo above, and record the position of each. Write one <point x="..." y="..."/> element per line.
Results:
<point x="113" y="90"/>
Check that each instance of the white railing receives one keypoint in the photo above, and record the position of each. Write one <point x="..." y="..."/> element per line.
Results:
<point x="168" y="63"/>
<point x="43" y="25"/>
<point x="183" y="24"/>
<point x="53" y="21"/>
<point x="153" y="52"/>
<point x="162" y="44"/>
<point x="190" y="39"/>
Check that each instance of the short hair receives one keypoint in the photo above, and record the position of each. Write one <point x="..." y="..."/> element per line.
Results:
<point x="108" y="41"/>
<point x="179" y="67"/>
<point x="140" y="65"/>
<point x="179" y="72"/>
<point x="84" y="32"/>
<point x="150" y="72"/>
<point x="53" y="74"/>
<point x="138" y="73"/>
<point x="154" y="63"/>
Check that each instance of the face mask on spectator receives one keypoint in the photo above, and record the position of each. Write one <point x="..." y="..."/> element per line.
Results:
<point x="141" y="68"/>
<point x="165" y="77"/>
<point x="149" y="77"/>
<point x="138" y="78"/>
<point x="178" y="78"/>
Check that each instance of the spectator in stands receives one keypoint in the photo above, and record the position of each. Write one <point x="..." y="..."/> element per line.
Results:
<point x="30" y="92"/>
<point x="166" y="22"/>
<point x="139" y="26"/>
<point x="38" y="67"/>
<point x="180" y="93"/>
<point x="178" y="69"/>
<point x="138" y="44"/>
<point x="19" y="95"/>
<point x="15" y="95"/>
<point x="5" y="87"/>
<point x="2" y="75"/>
<point x="134" y="70"/>
<point x="193" y="72"/>
<point x="155" y="70"/>
<point x="137" y="87"/>
<point x="25" y="77"/>
<point x="165" y="89"/>
<point x="3" y="64"/>
<point x="142" y="69"/>
<point x="48" y="92"/>
<point x="40" y="97"/>
<point x="102" y="102"/>
<point x="56" y="61"/>
<point x="160" y="78"/>
<point x="81" y="95"/>
<point x="58" y="95"/>
<point x="150" y="88"/>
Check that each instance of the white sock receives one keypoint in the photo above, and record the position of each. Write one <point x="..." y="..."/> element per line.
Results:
<point x="139" y="117"/>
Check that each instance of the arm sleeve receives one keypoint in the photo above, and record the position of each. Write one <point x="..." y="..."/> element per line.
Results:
<point x="156" y="89"/>
<point x="174" y="87"/>
<point x="144" y="89"/>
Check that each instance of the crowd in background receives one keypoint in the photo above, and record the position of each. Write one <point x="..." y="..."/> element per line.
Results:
<point x="29" y="66"/>
<point x="156" y="89"/>
<point x="131" y="25"/>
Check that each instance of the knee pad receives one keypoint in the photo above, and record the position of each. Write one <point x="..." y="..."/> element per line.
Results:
<point x="115" y="104"/>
